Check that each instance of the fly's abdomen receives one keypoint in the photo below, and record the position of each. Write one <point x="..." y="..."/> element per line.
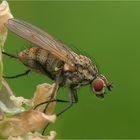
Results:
<point x="41" y="61"/>
<point x="51" y="64"/>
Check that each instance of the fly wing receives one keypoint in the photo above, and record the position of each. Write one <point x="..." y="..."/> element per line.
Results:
<point x="42" y="39"/>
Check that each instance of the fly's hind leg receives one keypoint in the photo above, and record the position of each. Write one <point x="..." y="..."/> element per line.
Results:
<point x="73" y="98"/>
<point x="18" y="75"/>
<point x="10" y="55"/>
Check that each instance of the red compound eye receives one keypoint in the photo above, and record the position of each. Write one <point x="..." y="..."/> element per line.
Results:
<point x="98" y="85"/>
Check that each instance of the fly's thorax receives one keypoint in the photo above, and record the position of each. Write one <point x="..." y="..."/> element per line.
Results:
<point x="85" y="73"/>
<point x="78" y="78"/>
<point x="86" y="67"/>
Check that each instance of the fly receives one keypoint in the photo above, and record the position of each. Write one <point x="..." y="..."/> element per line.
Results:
<point x="54" y="59"/>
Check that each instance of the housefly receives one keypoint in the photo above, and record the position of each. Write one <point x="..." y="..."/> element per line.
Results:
<point x="54" y="59"/>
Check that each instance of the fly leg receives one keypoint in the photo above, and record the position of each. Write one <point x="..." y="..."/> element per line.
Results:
<point x="10" y="55"/>
<point x="73" y="98"/>
<point x="18" y="75"/>
<point x="55" y="100"/>
<point x="55" y="89"/>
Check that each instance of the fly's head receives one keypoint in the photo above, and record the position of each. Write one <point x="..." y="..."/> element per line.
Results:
<point x="99" y="84"/>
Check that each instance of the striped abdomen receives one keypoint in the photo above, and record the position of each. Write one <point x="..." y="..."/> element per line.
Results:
<point x="41" y="61"/>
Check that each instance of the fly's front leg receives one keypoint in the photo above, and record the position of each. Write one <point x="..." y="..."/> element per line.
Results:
<point x="73" y="98"/>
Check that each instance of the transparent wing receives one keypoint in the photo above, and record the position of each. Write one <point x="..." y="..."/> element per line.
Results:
<point x="42" y="39"/>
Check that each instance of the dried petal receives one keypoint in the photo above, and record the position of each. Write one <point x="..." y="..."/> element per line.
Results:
<point x="6" y="104"/>
<point x="52" y="135"/>
<point x="24" y="122"/>
<point x="1" y="116"/>
<point x="42" y="94"/>
<point x="19" y="101"/>
<point x="31" y="136"/>
<point x="15" y="138"/>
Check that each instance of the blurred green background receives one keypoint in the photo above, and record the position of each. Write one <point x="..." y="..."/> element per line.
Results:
<point x="107" y="31"/>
